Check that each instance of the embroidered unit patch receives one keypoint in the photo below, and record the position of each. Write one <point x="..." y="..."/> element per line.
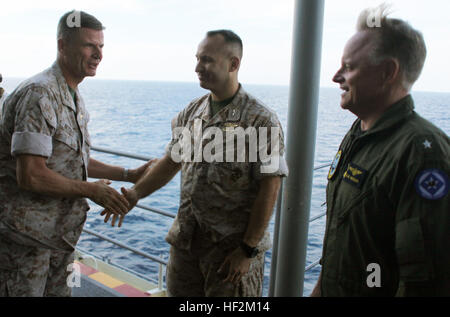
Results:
<point x="432" y="184"/>
<point x="334" y="165"/>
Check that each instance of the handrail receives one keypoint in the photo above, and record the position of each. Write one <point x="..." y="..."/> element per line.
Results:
<point x="169" y="214"/>
<point x="122" y="245"/>
<point x="147" y="158"/>
<point x="119" y="153"/>
<point x="317" y="217"/>
<point x="158" y="211"/>
<point x="315" y="263"/>
<point x="322" y="166"/>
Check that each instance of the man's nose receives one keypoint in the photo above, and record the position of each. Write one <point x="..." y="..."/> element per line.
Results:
<point x="337" y="78"/>
<point x="198" y="67"/>
<point x="98" y="54"/>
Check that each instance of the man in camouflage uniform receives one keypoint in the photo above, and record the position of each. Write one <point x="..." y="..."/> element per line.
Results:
<point x="219" y="236"/>
<point x="388" y="207"/>
<point x="44" y="165"/>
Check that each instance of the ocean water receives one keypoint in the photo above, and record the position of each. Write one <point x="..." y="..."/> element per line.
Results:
<point x="135" y="116"/>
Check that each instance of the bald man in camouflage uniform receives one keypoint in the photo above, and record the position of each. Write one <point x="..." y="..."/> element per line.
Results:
<point x="219" y="236"/>
<point x="44" y="165"/>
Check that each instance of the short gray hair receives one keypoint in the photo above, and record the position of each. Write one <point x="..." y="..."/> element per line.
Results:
<point x="66" y="31"/>
<point x="396" y="39"/>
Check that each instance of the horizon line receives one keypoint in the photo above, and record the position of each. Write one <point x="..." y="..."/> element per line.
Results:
<point x="192" y="82"/>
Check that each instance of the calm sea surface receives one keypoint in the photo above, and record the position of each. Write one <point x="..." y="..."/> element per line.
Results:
<point x="134" y="116"/>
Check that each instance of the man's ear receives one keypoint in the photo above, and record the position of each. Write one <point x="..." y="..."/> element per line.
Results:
<point x="235" y="64"/>
<point x="61" y="46"/>
<point x="391" y="70"/>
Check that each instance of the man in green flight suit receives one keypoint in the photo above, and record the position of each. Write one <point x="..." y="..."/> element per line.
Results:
<point x="388" y="211"/>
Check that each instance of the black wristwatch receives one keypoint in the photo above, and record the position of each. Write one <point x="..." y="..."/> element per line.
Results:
<point x="249" y="251"/>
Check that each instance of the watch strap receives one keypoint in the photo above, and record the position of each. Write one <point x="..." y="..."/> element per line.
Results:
<point x="249" y="251"/>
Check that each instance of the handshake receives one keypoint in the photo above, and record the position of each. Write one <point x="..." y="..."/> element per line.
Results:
<point x="115" y="204"/>
<point x="131" y="196"/>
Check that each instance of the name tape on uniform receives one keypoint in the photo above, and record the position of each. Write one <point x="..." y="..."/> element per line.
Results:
<point x="355" y="175"/>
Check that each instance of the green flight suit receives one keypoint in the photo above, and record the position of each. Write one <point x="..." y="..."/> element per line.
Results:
<point x="388" y="211"/>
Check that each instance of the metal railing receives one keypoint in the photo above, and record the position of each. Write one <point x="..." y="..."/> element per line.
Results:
<point x="166" y="214"/>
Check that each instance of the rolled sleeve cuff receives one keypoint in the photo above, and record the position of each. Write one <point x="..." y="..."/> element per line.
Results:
<point x="31" y="143"/>
<point x="169" y="148"/>
<point x="276" y="166"/>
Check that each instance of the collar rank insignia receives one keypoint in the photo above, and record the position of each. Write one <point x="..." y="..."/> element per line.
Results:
<point x="427" y="144"/>
<point x="355" y="175"/>
<point x="234" y="114"/>
<point x="229" y="126"/>
<point x="334" y="165"/>
<point x="432" y="184"/>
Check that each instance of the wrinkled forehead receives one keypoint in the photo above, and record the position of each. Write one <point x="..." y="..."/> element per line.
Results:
<point x="91" y="35"/>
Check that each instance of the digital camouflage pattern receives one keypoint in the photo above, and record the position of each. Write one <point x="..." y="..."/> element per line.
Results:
<point x="194" y="273"/>
<point x="218" y="196"/>
<point x="40" y="118"/>
<point x="32" y="271"/>
<point x="216" y="201"/>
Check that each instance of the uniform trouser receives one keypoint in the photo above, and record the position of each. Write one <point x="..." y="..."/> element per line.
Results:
<point x="33" y="271"/>
<point x="193" y="272"/>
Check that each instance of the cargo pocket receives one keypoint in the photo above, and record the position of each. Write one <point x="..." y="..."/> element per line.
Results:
<point x="410" y="251"/>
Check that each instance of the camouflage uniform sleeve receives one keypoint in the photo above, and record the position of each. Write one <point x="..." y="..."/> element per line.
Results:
<point x="422" y="228"/>
<point x="271" y="161"/>
<point x="35" y="124"/>
<point x="176" y="124"/>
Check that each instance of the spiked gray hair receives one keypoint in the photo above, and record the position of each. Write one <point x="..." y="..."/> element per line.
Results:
<point x="396" y="39"/>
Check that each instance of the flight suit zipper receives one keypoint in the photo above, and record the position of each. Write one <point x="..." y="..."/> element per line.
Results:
<point x="347" y="158"/>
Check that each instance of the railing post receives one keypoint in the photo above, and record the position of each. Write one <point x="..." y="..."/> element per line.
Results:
<point x="301" y="136"/>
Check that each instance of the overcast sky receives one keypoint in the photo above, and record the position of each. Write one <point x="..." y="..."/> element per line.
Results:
<point x="157" y="39"/>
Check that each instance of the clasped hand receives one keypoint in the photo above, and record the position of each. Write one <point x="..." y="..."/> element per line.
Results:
<point x="131" y="196"/>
